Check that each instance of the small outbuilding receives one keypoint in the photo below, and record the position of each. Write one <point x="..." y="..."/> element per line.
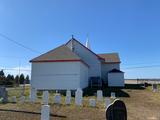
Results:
<point x="115" y="78"/>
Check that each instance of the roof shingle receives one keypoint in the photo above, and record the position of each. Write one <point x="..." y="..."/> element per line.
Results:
<point x="59" y="53"/>
<point x="110" y="57"/>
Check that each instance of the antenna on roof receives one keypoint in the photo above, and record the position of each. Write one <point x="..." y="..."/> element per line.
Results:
<point x="87" y="42"/>
<point x="72" y="36"/>
<point x="72" y="43"/>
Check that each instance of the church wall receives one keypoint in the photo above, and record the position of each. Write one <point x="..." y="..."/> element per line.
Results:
<point x="88" y="57"/>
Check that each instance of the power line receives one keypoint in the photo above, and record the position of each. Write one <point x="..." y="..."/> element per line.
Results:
<point x="32" y="50"/>
<point x="12" y="57"/>
<point x="12" y="69"/>
<point x="17" y="43"/>
<point x="138" y="67"/>
<point x="134" y="64"/>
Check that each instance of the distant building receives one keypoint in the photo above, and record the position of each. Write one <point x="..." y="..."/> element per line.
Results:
<point x="70" y="66"/>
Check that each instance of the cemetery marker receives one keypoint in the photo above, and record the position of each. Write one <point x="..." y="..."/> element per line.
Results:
<point x="116" y="111"/>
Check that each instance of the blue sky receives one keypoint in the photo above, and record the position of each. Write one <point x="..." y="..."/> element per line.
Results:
<point x="129" y="27"/>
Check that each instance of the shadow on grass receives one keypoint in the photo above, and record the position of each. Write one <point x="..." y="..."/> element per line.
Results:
<point x="136" y="86"/>
<point x="28" y="112"/>
<point x="120" y="91"/>
<point x="106" y="92"/>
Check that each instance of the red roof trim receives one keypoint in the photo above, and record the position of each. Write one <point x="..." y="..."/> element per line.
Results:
<point x="87" y="49"/>
<point x="60" y="61"/>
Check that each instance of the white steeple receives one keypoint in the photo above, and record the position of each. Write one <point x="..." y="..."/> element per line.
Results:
<point x="87" y="43"/>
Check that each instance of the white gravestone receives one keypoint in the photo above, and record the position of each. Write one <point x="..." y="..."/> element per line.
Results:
<point x="22" y="99"/>
<point x="107" y="102"/>
<point x="45" y="112"/>
<point x="99" y="95"/>
<point x="68" y="100"/>
<point x="68" y="93"/>
<point x="45" y="97"/>
<point x="57" y="98"/>
<point x="68" y="97"/>
<point x="33" y="95"/>
<point x="113" y="95"/>
<point x="79" y="97"/>
<point x="14" y="99"/>
<point x="92" y="102"/>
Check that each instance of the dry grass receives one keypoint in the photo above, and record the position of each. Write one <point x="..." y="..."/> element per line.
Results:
<point x="143" y="104"/>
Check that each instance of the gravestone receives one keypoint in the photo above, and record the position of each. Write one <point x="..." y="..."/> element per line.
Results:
<point x="116" y="111"/>
<point x="99" y="95"/>
<point x="57" y="98"/>
<point x="45" y="97"/>
<point x="45" y="112"/>
<point x="154" y="87"/>
<point x="68" y="97"/>
<point x="22" y="99"/>
<point x="92" y="102"/>
<point x="1" y="99"/>
<point x="107" y="102"/>
<point x="79" y="97"/>
<point x="68" y="93"/>
<point x="113" y="95"/>
<point x="4" y="94"/>
<point x="14" y="99"/>
<point x="68" y="100"/>
<point x="33" y="94"/>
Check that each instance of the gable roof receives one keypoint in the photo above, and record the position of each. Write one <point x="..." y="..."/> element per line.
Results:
<point x="110" y="57"/>
<point x="99" y="57"/>
<point x="59" y="53"/>
<point x="65" y="54"/>
<point x="115" y="71"/>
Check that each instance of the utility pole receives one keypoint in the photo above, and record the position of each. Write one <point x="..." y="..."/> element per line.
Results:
<point x="23" y="87"/>
<point x="19" y="73"/>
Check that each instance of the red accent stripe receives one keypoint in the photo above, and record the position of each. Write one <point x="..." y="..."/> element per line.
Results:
<point x="55" y="60"/>
<point x="60" y="61"/>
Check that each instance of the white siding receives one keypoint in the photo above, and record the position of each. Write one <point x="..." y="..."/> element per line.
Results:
<point x="116" y="79"/>
<point x="88" y="57"/>
<point x="108" y="67"/>
<point x="56" y="75"/>
<point x="83" y="76"/>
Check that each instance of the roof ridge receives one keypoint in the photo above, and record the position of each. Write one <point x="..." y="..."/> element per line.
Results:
<point x="85" y="48"/>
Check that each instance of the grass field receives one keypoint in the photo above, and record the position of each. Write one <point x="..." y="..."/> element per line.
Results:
<point x="142" y="104"/>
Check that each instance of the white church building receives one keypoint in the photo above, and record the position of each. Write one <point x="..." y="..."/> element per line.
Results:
<point x="72" y="65"/>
